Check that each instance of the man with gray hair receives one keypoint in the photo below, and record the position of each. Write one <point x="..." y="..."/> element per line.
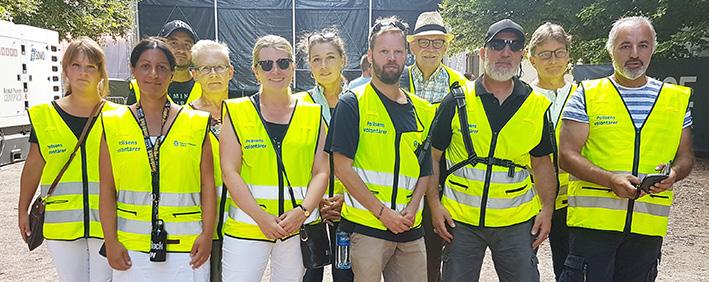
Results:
<point x="617" y="134"/>
<point x="493" y="135"/>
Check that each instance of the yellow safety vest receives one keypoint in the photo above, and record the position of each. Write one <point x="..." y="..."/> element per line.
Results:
<point x="259" y="163"/>
<point x="562" y="197"/>
<point x="486" y="195"/>
<point x="335" y="186"/>
<point x="386" y="160"/>
<point x="72" y="209"/>
<point x="180" y="179"/>
<point x="223" y="199"/>
<point x="453" y="76"/>
<point x="195" y="93"/>
<point x="614" y="144"/>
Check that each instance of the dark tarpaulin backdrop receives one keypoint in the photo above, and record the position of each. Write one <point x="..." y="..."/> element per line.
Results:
<point x="693" y="72"/>
<point x="241" y="22"/>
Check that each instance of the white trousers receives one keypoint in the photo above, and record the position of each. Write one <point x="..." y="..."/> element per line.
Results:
<point x="246" y="260"/>
<point x="79" y="261"/>
<point x="175" y="268"/>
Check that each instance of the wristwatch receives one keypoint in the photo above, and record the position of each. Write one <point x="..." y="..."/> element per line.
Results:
<point x="305" y="211"/>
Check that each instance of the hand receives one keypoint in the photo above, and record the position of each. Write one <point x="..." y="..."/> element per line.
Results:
<point x="331" y="207"/>
<point x="117" y="255"/>
<point x="541" y="227"/>
<point x="291" y="220"/>
<point x="623" y="185"/>
<point x="409" y="213"/>
<point x="201" y="250"/>
<point x="666" y="183"/>
<point x="23" y="222"/>
<point x="440" y="217"/>
<point x="394" y="221"/>
<point x="270" y="227"/>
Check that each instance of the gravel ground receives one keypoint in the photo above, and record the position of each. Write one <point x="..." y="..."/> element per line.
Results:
<point x="685" y="254"/>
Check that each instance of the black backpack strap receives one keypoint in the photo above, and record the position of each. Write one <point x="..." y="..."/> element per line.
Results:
<point x="464" y="129"/>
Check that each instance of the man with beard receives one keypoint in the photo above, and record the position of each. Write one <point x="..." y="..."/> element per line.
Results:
<point x="494" y="134"/>
<point x="375" y="139"/>
<point x="615" y="131"/>
<point x="183" y="89"/>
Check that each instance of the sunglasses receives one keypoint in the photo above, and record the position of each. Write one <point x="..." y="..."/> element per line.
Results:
<point x="397" y="24"/>
<point x="267" y="65"/>
<point x="319" y="36"/>
<point x="209" y="69"/>
<point x="561" y="53"/>
<point x="499" y="44"/>
<point x="436" y="43"/>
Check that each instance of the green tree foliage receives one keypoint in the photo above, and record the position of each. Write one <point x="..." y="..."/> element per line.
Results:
<point x="682" y="25"/>
<point x="72" y="18"/>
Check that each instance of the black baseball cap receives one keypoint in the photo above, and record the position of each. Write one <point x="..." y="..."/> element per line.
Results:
<point x="504" y="25"/>
<point x="175" y="25"/>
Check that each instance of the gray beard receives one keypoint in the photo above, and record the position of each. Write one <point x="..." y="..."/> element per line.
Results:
<point x="499" y="75"/>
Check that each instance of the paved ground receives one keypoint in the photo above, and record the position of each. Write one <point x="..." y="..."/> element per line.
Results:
<point x="685" y="251"/>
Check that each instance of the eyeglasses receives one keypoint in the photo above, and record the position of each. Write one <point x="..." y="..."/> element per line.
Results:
<point x="499" y="44"/>
<point x="397" y="24"/>
<point x="560" y="53"/>
<point x="208" y="69"/>
<point x="436" y="43"/>
<point x="267" y="65"/>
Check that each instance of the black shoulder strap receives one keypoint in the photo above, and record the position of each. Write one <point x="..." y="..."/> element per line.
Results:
<point x="463" y="118"/>
<point x="554" y="148"/>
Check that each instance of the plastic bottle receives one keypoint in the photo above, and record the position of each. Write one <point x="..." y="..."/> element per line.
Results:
<point x="342" y="256"/>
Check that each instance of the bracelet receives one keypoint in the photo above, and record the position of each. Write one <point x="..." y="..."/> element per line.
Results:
<point x="380" y="212"/>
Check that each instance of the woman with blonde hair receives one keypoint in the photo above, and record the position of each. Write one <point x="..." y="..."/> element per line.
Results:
<point x="71" y="222"/>
<point x="274" y="167"/>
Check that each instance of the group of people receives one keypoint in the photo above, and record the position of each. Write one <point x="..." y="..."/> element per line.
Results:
<point x="228" y="183"/>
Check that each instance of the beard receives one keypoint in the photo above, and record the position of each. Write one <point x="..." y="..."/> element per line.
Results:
<point x="387" y="77"/>
<point x="498" y="74"/>
<point x="631" y="74"/>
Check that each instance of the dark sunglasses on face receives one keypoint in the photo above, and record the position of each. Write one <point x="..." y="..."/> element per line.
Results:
<point x="267" y="65"/>
<point x="499" y="44"/>
<point x="437" y="43"/>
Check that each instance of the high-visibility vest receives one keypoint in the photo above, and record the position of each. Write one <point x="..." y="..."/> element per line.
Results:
<point x="488" y="195"/>
<point x="562" y="197"/>
<point x="195" y="93"/>
<point x="180" y="179"/>
<point x="72" y="210"/>
<point x="335" y="186"/>
<point x="386" y="160"/>
<point x="407" y="80"/>
<point x="223" y="199"/>
<point x="259" y="165"/>
<point x="614" y="144"/>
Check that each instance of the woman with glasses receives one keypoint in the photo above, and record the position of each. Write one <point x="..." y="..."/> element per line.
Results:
<point x="325" y="53"/>
<point x="213" y="70"/>
<point x="71" y="223"/>
<point x="274" y="167"/>
<point x="157" y="199"/>
<point x="549" y="54"/>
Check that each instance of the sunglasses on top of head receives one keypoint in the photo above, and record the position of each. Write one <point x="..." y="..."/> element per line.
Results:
<point x="267" y="65"/>
<point x="499" y="44"/>
<point x="397" y="24"/>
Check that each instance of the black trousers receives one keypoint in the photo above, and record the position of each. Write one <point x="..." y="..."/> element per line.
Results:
<point x="598" y="255"/>
<point x="338" y="275"/>
<point x="559" y="240"/>
<point x="434" y="245"/>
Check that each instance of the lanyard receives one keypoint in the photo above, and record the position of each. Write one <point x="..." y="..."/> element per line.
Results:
<point x="153" y="149"/>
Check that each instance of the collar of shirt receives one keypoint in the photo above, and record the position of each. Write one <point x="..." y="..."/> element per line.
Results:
<point x="433" y="89"/>
<point x="318" y="93"/>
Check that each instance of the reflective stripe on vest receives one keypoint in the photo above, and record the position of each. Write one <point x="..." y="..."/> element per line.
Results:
<point x="487" y="196"/>
<point x="376" y="167"/>
<point x="69" y="213"/>
<point x="615" y="145"/>
<point x="259" y="164"/>
<point x="180" y="179"/>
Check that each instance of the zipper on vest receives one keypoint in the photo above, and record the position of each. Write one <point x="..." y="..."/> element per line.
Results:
<point x="397" y="165"/>
<point x="220" y="212"/>
<point x="331" y="178"/>
<point x="85" y="183"/>
<point x="281" y="208"/>
<point x="488" y="175"/>
<point x="636" y="162"/>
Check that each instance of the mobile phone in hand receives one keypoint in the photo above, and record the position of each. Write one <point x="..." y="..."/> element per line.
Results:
<point x="652" y="179"/>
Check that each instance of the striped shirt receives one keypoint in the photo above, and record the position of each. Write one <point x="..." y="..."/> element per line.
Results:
<point x="638" y="100"/>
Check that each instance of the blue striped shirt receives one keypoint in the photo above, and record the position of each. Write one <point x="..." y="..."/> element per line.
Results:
<point x="638" y="100"/>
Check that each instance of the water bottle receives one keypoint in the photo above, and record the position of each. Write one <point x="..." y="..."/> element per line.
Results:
<point x="342" y="256"/>
<point x="158" y="241"/>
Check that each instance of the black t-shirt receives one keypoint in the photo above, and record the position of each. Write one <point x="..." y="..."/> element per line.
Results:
<point x="178" y="91"/>
<point x="76" y="124"/>
<point x="343" y="138"/>
<point x="497" y="114"/>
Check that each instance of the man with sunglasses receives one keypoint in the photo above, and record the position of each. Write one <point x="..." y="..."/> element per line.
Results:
<point x="375" y="138"/>
<point x="183" y="88"/>
<point x="430" y="79"/>
<point x="615" y="130"/>
<point x="494" y="134"/>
